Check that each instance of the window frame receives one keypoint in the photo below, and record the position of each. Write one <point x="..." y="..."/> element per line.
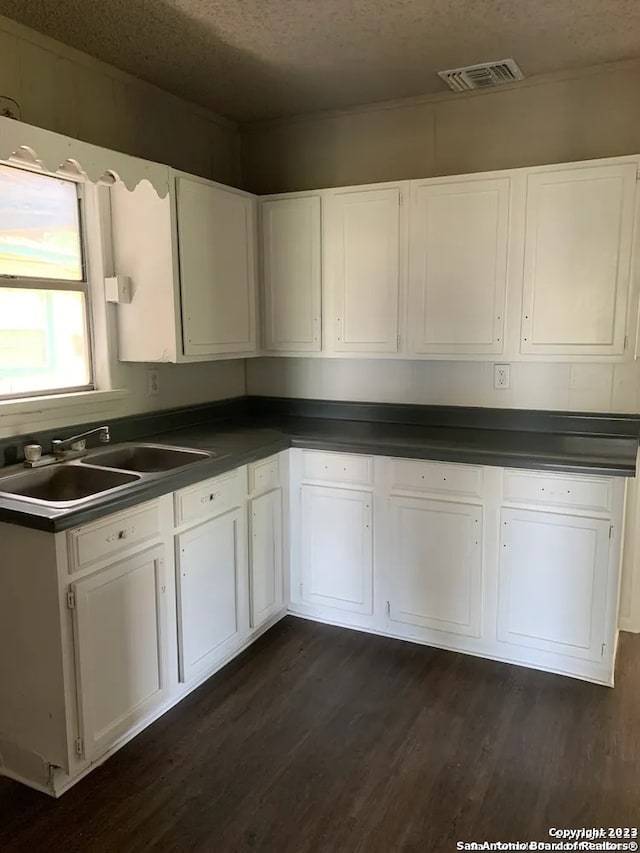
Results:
<point x="83" y="285"/>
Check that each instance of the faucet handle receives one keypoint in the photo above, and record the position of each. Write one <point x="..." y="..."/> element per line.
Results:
<point x="32" y="452"/>
<point x="78" y="445"/>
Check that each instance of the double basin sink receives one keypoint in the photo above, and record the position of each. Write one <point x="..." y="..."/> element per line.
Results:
<point x="66" y="484"/>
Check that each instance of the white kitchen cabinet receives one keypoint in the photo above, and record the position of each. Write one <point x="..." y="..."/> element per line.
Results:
<point x="216" y="237"/>
<point x="211" y="568"/>
<point x="553" y="585"/>
<point x="291" y="273"/>
<point x="119" y="629"/>
<point x="577" y="259"/>
<point x="191" y="257"/>
<point x="458" y="253"/>
<point x="515" y="565"/>
<point x="363" y="245"/>
<point x="266" y="582"/>
<point x="337" y="548"/>
<point x="434" y="565"/>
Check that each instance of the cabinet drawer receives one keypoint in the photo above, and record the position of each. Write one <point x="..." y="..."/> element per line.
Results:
<point x="418" y="475"/>
<point x="264" y="475"/>
<point x="209" y="498"/>
<point x="566" y="490"/>
<point x="337" y="467"/>
<point x="110" y="536"/>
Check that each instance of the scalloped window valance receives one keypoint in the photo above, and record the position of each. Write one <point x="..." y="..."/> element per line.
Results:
<point x="57" y="154"/>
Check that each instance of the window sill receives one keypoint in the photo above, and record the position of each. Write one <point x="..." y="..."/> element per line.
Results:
<point x="31" y="414"/>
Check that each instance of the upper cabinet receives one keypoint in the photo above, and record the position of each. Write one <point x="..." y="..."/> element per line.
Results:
<point x="458" y="265"/>
<point x="291" y="273"/>
<point x="578" y="245"/>
<point x="192" y="261"/>
<point x="362" y="243"/>
<point x="520" y="264"/>
<point x="216" y="240"/>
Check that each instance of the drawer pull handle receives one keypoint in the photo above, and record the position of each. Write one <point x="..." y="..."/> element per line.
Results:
<point x="121" y="534"/>
<point x="208" y="498"/>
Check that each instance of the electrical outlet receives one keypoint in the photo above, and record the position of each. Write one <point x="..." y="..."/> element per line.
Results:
<point x="501" y="376"/>
<point x="153" y="383"/>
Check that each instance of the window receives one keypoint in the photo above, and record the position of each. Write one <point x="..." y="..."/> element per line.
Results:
<point x="44" y="335"/>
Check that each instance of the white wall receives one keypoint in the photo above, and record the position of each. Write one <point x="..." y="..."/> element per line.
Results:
<point x="577" y="387"/>
<point x="63" y="90"/>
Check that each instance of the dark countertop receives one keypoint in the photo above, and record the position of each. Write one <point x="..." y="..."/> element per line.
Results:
<point x="241" y="441"/>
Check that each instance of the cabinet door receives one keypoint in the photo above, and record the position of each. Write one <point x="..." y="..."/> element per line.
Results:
<point x="458" y="263"/>
<point x="119" y="635"/>
<point x="266" y="580"/>
<point x="291" y="273"/>
<point x="436" y="565"/>
<point x="337" y="553"/>
<point x="216" y="237"/>
<point x="553" y="582"/>
<point x="209" y="569"/>
<point x="362" y="269"/>
<point x="579" y="227"/>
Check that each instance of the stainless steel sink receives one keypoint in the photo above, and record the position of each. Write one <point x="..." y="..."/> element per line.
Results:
<point x="63" y="485"/>
<point x="146" y="458"/>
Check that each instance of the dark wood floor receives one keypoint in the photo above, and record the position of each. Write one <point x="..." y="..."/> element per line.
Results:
<point x="323" y="739"/>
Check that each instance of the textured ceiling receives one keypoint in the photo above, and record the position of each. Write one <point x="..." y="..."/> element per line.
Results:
<point x="252" y="59"/>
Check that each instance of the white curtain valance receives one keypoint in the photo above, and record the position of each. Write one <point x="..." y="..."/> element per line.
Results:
<point x="60" y="154"/>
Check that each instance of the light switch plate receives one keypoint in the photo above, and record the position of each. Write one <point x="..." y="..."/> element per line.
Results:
<point x="501" y="377"/>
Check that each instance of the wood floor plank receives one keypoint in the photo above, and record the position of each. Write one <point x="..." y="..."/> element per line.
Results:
<point x="324" y="740"/>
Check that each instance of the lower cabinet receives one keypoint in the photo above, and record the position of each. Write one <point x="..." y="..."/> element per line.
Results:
<point x="210" y="561"/>
<point x="553" y="583"/>
<point x="520" y="566"/>
<point x="434" y="565"/>
<point x="337" y="548"/>
<point x="119" y="629"/>
<point x="266" y="582"/>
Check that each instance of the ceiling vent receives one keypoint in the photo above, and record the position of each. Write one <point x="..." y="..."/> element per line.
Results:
<point x="485" y="75"/>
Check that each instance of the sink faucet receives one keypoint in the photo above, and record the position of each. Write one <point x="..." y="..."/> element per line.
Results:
<point x="62" y="449"/>
<point x="77" y="443"/>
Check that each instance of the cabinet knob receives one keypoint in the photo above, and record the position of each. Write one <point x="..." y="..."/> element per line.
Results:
<point x="120" y="534"/>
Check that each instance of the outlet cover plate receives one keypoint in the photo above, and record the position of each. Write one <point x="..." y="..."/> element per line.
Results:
<point x="153" y="382"/>
<point x="502" y="377"/>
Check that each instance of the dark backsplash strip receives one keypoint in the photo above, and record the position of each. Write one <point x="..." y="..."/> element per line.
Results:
<point x="522" y="420"/>
<point x="260" y="410"/>
<point x="132" y="427"/>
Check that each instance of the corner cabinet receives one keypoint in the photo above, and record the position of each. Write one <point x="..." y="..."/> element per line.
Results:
<point x="364" y="246"/>
<point x="331" y="532"/>
<point x="436" y="549"/>
<point x="577" y="259"/>
<point x="192" y="258"/>
<point x="291" y="273"/>
<point x="337" y="555"/>
<point x="458" y="265"/>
